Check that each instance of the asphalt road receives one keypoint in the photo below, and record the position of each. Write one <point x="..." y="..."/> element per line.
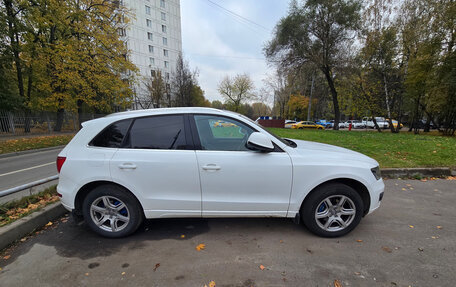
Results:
<point x="21" y="169"/>
<point x="409" y="241"/>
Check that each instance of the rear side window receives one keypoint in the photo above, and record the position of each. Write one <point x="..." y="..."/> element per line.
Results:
<point x="158" y="132"/>
<point x="113" y="135"/>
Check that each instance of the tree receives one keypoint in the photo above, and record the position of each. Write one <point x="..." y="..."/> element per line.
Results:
<point x="260" y="109"/>
<point x="317" y="32"/>
<point x="182" y="83"/>
<point x="156" y="89"/>
<point x="236" y="90"/>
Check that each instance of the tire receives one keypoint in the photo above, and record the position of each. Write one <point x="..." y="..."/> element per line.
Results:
<point x="319" y="128"/>
<point x="333" y="192"/>
<point x="114" y="223"/>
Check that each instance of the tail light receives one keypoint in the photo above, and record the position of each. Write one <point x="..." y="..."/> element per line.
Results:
<point x="60" y="161"/>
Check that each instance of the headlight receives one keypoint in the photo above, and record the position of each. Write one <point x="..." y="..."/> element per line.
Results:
<point x="376" y="172"/>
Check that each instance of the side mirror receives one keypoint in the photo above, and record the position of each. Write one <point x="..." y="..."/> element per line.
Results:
<point x="260" y="142"/>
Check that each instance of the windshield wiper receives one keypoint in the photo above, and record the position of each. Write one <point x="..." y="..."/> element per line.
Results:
<point x="175" y="139"/>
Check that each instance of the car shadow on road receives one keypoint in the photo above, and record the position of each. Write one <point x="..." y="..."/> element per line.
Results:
<point x="73" y="240"/>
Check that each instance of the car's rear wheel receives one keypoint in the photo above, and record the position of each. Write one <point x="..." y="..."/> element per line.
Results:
<point x="332" y="210"/>
<point x="111" y="211"/>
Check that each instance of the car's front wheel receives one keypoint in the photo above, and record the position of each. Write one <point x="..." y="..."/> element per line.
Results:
<point x="332" y="210"/>
<point x="111" y="211"/>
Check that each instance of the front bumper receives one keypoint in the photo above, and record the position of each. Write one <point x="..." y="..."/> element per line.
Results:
<point x="376" y="193"/>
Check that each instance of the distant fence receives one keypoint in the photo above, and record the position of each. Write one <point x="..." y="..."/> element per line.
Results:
<point x="20" y="123"/>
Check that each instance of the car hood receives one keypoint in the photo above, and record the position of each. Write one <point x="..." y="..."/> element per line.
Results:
<point x="331" y="151"/>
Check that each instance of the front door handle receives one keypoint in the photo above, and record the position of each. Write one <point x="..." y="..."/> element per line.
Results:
<point x="211" y="167"/>
<point x="127" y="166"/>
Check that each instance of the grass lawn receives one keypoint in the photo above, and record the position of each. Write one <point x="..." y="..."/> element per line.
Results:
<point x="28" y="143"/>
<point x="390" y="150"/>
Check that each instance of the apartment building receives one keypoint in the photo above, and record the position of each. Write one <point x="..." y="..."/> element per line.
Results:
<point x="153" y="37"/>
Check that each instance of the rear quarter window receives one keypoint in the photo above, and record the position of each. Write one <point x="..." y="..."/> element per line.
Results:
<point x="113" y="135"/>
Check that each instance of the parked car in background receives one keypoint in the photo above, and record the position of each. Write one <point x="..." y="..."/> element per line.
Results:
<point x="381" y="122"/>
<point x="395" y="124"/>
<point x="168" y="163"/>
<point x="355" y="124"/>
<point x="341" y="124"/>
<point x="289" y="123"/>
<point x="324" y="123"/>
<point x="307" y="125"/>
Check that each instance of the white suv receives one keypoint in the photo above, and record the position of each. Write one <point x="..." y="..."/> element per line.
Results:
<point x="179" y="162"/>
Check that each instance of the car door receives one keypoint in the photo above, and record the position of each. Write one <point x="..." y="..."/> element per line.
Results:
<point x="236" y="181"/>
<point x="158" y="164"/>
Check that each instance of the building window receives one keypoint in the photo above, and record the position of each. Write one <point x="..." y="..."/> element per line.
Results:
<point x="122" y="32"/>
<point x="151" y="49"/>
<point x="163" y="16"/>
<point x="148" y="23"/>
<point x="162" y="3"/>
<point x="166" y="64"/>
<point x="164" y="28"/>
<point x="167" y="76"/>
<point x="151" y="61"/>
<point x="165" y="52"/>
<point x="165" y="41"/>
<point x="150" y="36"/>
<point x="147" y="10"/>
<point x="152" y="73"/>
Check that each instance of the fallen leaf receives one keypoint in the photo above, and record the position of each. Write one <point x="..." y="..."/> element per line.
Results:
<point x="156" y="266"/>
<point x="404" y="189"/>
<point x="387" y="249"/>
<point x="49" y="223"/>
<point x="420" y="249"/>
<point x="281" y="241"/>
<point x="408" y="184"/>
<point x="23" y="239"/>
<point x="434" y="237"/>
<point x="200" y="247"/>
<point x="1" y="269"/>
<point x="359" y="240"/>
<point x="211" y="284"/>
<point x="6" y="257"/>
<point x="439" y="227"/>
<point x="423" y="180"/>
<point x="87" y="274"/>
<point x="411" y="226"/>
<point x="123" y="273"/>
<point x="262" y="267"/>
<point x="182" y="236"/>
<point x="357" y="273"/>
<point x="337" y="283"/>
<point x="308" y="250"/>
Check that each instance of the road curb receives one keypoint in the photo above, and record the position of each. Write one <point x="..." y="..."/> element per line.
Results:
<point x="5" y="155"/>
<point x="417" y="172"/>
<point x="29" y="223"/>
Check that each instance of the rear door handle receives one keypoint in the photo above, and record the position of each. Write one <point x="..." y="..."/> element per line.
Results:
<point x="211" y="167"/>
<point x="127" y="166"/>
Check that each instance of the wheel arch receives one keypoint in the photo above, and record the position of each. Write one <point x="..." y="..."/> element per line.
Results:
<point x="85" y="189"/>
<point x="359" y="187"/>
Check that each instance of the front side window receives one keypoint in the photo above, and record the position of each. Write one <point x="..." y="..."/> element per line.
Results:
<point x="158" y="132"/>
<point x="112" y="136"/>
<point x="221" y="133"/>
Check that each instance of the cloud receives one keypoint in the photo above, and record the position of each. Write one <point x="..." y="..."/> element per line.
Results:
<point x="220" y="44"/>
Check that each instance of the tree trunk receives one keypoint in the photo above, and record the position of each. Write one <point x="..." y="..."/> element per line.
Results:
<point x="333" y="90"/>
<point x="79" y="104"/>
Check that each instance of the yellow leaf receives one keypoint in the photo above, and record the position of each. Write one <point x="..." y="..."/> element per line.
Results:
<point x="182" y="236"/>
<point x="403" y="189"/>
<point x="439" y="227"/>
<point x="200" y="247"/>
<point x="337" y="283"/>
<point x="262" y="267"/>
<point x="123" y="273"/>
<point x="87" y="274"/>
<point x="49" y="223"/>
<point x="212" y="284"/>
<point x="359" y="240"/>
<point x="411" y="226"/>
<point x="6" y="257"/>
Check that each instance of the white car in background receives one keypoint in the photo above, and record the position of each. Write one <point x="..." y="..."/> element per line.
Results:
<point x="355" y="124"/>
<point x="381" y="122"/>
<point x="341" y="124"/>
<point x="164" y="163"/>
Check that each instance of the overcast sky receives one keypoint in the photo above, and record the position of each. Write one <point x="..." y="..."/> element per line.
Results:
<point x="219" y="43"/>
